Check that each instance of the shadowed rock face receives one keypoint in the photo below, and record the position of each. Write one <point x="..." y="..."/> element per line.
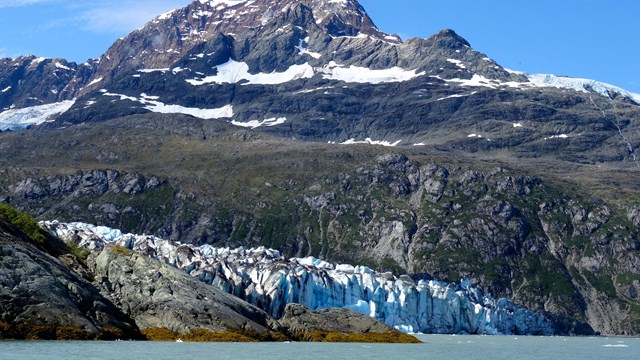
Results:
<point x="158" y="296"/>
<point x="37" y="290"/>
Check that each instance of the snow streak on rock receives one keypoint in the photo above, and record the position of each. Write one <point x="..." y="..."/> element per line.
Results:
<point x="152" y="104"/>
<point x="253" y="124"/>
<point x="268" y="280"/>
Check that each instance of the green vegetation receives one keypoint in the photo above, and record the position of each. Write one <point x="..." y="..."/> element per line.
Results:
<point x="602" y="282"/>
<point x="79" y="252"/>
<point x="120" y="250"/>
<point x="24" y="222"/>
<point x="627" y="278"/>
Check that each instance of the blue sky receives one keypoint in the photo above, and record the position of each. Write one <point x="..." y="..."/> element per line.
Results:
<point x="595" y="39"/>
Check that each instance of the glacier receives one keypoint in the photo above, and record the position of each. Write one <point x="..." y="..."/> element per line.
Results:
<point x="582" y="85"/>
<point x="19" y="119"/>
<point x="263" y="277"/>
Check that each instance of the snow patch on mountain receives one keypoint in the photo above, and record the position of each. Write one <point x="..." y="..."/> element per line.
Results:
<point x="95" y="81"/>
<point x="18" y="119"/>
<point x="38" y="60"/>
<point x="150" y="103"/>
<point x="371" y="142"/>
<point x="166" y="15"/>
<point x="302" y="50"/>
<point x="257" y="123"/>
<point x="308" y="91"/>
<point x="6" y="89"/>
<point x="481" y="81"/>
<point x="147" y="71"/>
<point x="456" y="96"/>
<point x="233" y="72"/>
<point x="458" y="63"/>
<point x="60" y="66"/>
<point x="268" y="280"/>
<point x="561" y="136"/>
<point x="221" y="4"/>
<point x="362" y="75"/>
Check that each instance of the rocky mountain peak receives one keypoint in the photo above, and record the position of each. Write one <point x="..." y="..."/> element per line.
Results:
<point x="337" y="17"/>
<point x="448" y="38"/>
<point x="170" y="36"/>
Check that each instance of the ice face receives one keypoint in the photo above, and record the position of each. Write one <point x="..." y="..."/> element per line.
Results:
<point x="264" y="278"/>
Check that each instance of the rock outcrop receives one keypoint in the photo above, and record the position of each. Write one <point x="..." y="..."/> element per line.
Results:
<point x="341" y="325"/>
<point x="158" y="296"/>
<point x="41" y="298"/>
<point x="300" y="319"/>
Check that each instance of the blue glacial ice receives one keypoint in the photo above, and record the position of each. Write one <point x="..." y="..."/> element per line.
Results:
<point x="270" y="281"/>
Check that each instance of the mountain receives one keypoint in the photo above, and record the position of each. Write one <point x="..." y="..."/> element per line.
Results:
<point x="321" y="71"/>
<point x="253" y="123"/>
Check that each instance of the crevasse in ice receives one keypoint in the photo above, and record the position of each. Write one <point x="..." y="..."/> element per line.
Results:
<point x="268" y="280"/>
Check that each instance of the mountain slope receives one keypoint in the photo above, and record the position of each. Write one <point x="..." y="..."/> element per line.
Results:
<point x="552" y="242"/>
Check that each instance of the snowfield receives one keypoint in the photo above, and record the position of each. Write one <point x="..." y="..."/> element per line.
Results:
<point x="233" y="72"/>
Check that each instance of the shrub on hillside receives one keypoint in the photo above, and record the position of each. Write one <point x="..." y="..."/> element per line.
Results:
<point x="24" y="222"/>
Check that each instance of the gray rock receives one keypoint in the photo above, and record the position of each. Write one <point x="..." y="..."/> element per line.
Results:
<point x="37" y="289"/>
<point x="156" y="295"/>
<point x="298" y="318"/>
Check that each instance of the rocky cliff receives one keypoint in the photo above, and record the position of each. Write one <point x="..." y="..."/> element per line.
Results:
<point x="122" y="294"/>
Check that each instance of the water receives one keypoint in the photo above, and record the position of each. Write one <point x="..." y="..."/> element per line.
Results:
<point x="435" y="347"/>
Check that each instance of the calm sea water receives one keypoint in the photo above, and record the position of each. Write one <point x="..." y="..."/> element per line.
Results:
<point x="434" y="347"/>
